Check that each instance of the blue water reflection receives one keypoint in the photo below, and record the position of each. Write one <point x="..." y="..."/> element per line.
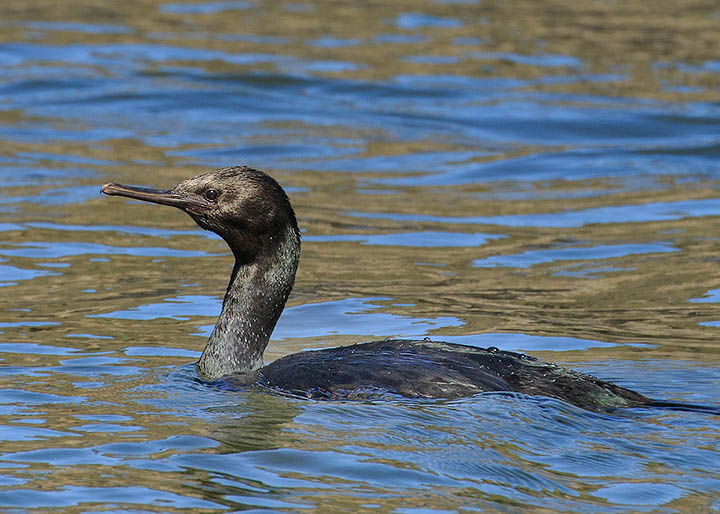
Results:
<point x="88" y="28"/>
<point x="569" y="253"/>
<point x="10" y="275"/>
<point x="660" y="211"/>
<point x="353" y="316"/>
<point x="54" y="250"/>
<point x="427" y="239"/>
<point x="207" y="7"/>
<point x="178" y="308"/>
<point x="409" y="21"/>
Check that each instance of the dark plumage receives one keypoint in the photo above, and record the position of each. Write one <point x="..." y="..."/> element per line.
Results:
<point x="252" y="213"/>
<point x="435" y="369"/>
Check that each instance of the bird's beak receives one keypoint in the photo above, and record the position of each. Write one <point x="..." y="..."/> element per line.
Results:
<point x="190" y="204"/>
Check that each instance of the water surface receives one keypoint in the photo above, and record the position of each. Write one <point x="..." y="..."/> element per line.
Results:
<point x="533" y="176"/>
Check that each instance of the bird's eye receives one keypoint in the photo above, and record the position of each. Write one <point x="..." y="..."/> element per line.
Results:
<point x="211" y="194"/>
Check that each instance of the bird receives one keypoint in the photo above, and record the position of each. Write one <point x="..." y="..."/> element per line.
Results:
<point x="253" y="214"/>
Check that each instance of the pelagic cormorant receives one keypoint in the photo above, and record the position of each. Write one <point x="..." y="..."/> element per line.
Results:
<point x="252" y="213"/>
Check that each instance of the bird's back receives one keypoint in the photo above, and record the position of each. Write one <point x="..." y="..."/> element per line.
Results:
<point x="435" y="369"/>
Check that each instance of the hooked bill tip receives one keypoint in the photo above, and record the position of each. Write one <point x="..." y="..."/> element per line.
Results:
<point x="107" y="188"/>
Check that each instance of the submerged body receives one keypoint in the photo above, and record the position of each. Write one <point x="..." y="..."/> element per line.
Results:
<point x="252" y="213"/>
<point x="435" y="369"/>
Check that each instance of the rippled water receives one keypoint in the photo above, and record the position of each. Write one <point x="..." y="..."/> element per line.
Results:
<point x="535" y="176"/>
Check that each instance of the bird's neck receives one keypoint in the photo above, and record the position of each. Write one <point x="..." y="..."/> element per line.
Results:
<point x="253" y="303"/>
